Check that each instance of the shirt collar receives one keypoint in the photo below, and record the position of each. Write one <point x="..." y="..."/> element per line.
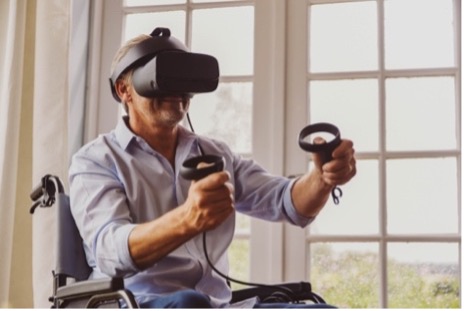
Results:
<point x="123" y="134"/>
<point x="186" y="143"/>
<point x="186" y="140"/>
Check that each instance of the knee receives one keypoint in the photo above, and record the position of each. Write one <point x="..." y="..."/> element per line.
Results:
<point x="192" y="299"/>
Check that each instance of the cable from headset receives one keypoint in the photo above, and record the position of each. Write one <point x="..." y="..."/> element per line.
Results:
<point x="286" y="292"/>
<point x="190" y="171"/>
<point x="202" y="152"/>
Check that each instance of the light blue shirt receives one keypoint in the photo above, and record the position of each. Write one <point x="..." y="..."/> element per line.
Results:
<point x="118" y="181"/>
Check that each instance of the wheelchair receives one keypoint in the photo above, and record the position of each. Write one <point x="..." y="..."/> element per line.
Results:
<point x="72" y="289"/>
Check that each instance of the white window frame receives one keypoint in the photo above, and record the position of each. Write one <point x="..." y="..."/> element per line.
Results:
<point x="296" y="256"/>
<point x="278" y="252"/>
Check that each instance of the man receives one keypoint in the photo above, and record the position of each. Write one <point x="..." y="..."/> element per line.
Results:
<point x="141" y="220"/>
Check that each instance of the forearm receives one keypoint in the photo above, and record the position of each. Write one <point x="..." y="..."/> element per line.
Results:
<point x="209" y="203"/>
<point x="149" y="242"/>
<point x="310" y="193"/>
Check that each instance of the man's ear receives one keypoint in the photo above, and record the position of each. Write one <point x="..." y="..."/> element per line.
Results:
<point x="123" y="90"/>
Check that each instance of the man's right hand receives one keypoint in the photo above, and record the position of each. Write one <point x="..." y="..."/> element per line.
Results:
<point x="210" y="201"/>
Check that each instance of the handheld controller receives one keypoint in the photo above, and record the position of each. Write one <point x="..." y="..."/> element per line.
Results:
<point x="325" y="149"/>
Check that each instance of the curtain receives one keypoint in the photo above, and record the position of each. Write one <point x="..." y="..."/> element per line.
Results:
<point x="37" y="111"/>
<point x="78" y="58"/>
<point x="13" y="102"/>
<point x="50" y="131"/>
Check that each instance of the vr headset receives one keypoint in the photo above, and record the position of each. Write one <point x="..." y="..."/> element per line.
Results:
<point x="164" y="66"/>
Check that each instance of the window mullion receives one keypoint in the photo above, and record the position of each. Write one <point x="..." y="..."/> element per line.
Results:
<point x="296" y="117"/>
<point x="268" y="128"/>
<point x="457" y="44"/>
<point x="383" y="290"/>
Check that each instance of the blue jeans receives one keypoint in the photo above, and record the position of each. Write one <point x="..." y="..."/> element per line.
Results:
<point x="187" y="299"/>
<point x="183" y="299"/>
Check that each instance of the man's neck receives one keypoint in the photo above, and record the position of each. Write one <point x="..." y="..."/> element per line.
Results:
<point x="161" y="139"/>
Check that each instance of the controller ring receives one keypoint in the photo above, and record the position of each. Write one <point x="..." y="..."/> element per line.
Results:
<point x="319" y="127"/>
<point x="190" y="171"/>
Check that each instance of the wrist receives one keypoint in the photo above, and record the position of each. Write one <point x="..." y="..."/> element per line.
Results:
<point x="318" y="179"/>
<point x="187" y="223"/>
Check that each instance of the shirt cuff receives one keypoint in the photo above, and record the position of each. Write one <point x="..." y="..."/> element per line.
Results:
<point x="290" y="209"/>
<point x="122" y="263"/>
<point x="122" y="234"/>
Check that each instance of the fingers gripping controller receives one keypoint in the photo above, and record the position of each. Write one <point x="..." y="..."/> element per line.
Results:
<point x="191" y="171"/>
<point x="325" y="149"/>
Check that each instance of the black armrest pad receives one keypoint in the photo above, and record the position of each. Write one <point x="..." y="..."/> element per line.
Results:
<point x="90" y="287"/>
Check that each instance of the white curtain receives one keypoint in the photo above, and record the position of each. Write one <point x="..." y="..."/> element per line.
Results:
<point x="12" y="97"/>
<point x="34" y="101"/>
<point x="50" y="130"/>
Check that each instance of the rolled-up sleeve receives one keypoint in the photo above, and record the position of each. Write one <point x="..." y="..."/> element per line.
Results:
<point x="99" y="207"/>
<point x="263" y="195"/>
<point x="290" y="209"/>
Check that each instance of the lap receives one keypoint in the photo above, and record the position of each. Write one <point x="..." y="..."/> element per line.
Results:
<point x="186" y="299"/>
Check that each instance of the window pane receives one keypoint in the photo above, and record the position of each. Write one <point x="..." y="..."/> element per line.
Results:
<point x="421" y="114"/>
<point x="230" y="40"/>
<point x="346" y="274"/>
<point x="145" y="23"/>
<point x="343" y="103"/>
<point x="239" y="260"/>
<point x="343" y="37"/>
<point x="422" y="196"/>
<point x="151" y="2"/>
<point x="419" y="33"/>
<point x="242" y="224"/>
<point x="423" y="275"/>
<point x="358" y="210"/>
<point x="225" y="114"/>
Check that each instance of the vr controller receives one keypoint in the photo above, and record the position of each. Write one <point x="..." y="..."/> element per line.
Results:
<point x="164" y="66"/>
<point x="325" y="149"/>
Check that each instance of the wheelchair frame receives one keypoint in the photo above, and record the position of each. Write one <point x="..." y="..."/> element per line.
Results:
<point x="72" y="289"/>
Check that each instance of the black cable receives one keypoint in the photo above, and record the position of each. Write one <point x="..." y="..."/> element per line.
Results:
<point x="202" y="152"/>
<point x="289" y="293"/>
<point x="228" y="278"/>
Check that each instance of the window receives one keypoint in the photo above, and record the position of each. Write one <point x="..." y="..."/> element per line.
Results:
<point x="387" y="73"/>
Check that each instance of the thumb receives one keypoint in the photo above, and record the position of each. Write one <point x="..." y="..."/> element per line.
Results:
<point x="204" y="164"/>
<point x="318" y="157"/>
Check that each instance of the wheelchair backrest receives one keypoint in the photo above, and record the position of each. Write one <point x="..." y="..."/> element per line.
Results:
<point x="71" y="260"/>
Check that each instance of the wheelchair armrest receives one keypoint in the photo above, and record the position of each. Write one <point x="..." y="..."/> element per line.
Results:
<point x="98" y="291"/>
<point x="286" y="292"/>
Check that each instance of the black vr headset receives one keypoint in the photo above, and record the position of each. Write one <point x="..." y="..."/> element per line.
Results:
<point x="164" y="66"/>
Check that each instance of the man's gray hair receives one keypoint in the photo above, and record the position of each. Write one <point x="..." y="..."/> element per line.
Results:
<point x="123" y="50"/>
